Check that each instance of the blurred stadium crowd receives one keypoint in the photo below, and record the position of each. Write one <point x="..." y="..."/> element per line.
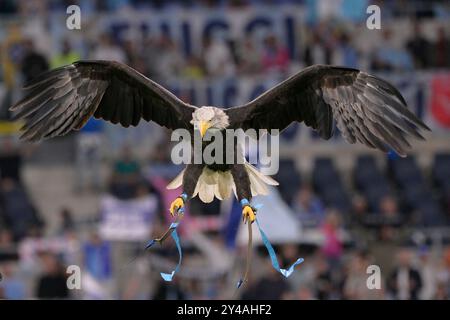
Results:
<point x="375" y="209"/>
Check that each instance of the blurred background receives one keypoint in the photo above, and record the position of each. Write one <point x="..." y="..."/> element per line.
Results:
<point x="95" y="197"/>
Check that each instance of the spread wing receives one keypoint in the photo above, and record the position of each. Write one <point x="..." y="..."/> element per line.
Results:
<point x="365" y="108"/>
<point x="65" y="98"/>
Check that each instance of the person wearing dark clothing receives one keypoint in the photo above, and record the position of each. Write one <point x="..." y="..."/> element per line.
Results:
<point x="168" y="292"/>
<point x="269" y="287"/>
<point x="33" y="63"/>
<point x="17" y="208"/>
<point x="405" y="282"/>
<point x="53" y="282"/>
<point x="52" y="287"/>
<point x="441" y="50"/>
<point x="10" y="165"/>
<point x="419" y="48"/>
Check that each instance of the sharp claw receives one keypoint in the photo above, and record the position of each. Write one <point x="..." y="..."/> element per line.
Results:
<point x="248" y="214"/>
<point x="176" y="207"/>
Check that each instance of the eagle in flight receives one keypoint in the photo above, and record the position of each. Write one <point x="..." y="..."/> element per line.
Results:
<point x="364" y="108"/>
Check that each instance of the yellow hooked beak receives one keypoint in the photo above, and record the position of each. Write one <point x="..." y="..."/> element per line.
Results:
<point x="204" y="125"/>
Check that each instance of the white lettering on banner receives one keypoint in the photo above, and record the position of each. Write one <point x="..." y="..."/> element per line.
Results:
<point x="127" y="220"/>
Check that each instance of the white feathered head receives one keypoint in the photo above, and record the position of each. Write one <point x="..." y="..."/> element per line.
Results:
<point x="209" y="117"/>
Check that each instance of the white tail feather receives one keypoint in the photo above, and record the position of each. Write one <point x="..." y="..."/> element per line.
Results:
<point x="177" y="182"/>
<point x="220" y="184"/>
<point x="266" y="179"/>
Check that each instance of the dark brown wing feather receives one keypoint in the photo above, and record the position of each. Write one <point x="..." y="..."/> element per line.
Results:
<point x="64" y="99"/>
<point x="365" y="108"/>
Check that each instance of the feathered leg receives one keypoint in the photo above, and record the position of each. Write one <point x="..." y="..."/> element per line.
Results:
<point x="190" y="178"/>
<point x="243" y="192"/>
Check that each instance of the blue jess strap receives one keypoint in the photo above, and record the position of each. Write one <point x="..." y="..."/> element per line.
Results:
<point x="174" y="234"/>
<point x="245" y="202"/>
<point x="273" y="256"/>
<point x="184" y="196"/>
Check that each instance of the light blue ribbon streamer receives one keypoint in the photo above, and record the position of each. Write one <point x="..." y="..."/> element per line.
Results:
<point x="169" y="276"/>
<point x="273" y="256"/>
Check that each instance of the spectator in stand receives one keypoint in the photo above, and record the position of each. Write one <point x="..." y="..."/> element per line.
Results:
<point x="442" y="292"/>
<point x="302" y="293"/>
<point x="127" y="165"/>
<point x="6" y="237"/>
<point x="249" y="58"/>
<point x="67" y="223"/>
<point x="441" y="50"/>
<point x="332" y="246"/>
<point x="13" y="286"/>
<point x="193" y="68"/>
<point x="275" y="56"/>
<point x="217" y="57"/>
<point x="33" y="8"/>
<point x="443" y="276"/>
<point x="389" y="211"/>
<point x="168" y="62"/>
<point x="316" y="51"/>
<point x="108" y="50"/>
<point x="126" y="175"/>
<point x="20" y="213"/>
<point x="11" y="55"/>
<point x="345" y="54"/>
<point x="419" y="48"/>
<point x="67" y="55"/>
<point x="405" y="281"/>
<point x="172" y="291"/>
<point x="360" y="209"/>
<point x="390" y="218"/>
<point x="428" y="272"/>
<point x="10" y="160"/>
<point x="389" y="56"/>
<point x="355" y="285"/>
<point x="97" y="260"/>
<point x="134" y="56"/>
<point x="33" y="62"/>
<point x="52" y="284"/>
<point x="88" y="155"/>
<point x="308" y="207"/>
<point x="270" y="287"/>
<point x="323" y="282"/>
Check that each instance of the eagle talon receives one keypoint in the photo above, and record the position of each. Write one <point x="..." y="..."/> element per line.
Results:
<point x="177" y="206"/>
<point x="248" y="214"/>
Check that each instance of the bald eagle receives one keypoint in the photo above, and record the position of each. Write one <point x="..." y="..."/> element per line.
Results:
<point x="365" y="109"/>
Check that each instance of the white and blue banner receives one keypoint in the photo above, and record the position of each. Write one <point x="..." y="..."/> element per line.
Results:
<point x="127" y="220"/>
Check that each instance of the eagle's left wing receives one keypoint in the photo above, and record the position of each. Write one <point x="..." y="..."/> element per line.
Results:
<point x="65" y="98"/>
<point x="366" y="109"/>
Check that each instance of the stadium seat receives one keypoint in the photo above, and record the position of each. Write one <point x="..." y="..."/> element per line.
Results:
<point x="291" y="178"/>
<point x="370" y="181"/>
<point x="333" y="194"/>
<point x="416" y="195"/>
<point x="441" y="169"/>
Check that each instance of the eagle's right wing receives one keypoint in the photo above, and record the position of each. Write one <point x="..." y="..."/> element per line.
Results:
<point x="365" y="108"/>
<point x="65" y="98"/>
